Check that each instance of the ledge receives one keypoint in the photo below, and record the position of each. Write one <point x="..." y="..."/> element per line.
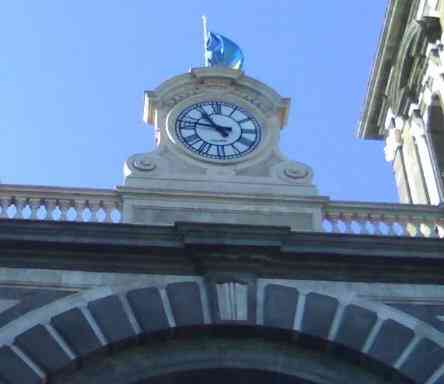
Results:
<point x="189" y="249"/>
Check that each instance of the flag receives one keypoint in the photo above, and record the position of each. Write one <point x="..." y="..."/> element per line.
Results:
<point x="221" y="51"/>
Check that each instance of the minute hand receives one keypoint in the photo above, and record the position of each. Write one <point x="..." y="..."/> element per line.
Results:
<point x="215" y="126"/>
<point x="220" y="129"/>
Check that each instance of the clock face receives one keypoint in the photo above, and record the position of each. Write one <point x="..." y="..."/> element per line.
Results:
<point x="218" y="130"/>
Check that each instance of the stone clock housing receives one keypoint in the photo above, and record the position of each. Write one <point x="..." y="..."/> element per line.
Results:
<point x="217" y="156"/>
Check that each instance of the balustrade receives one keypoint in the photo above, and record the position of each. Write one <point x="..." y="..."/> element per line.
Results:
<point x="382" y="219"/>
<point x="59" y="204"/>
<point x="101" y="205"/>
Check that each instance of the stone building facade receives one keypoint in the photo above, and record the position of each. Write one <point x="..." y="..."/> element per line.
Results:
<point x="218" y="260"/>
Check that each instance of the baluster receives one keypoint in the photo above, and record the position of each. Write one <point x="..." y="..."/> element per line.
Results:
<point x="108" y="207"/>
<point x="389" y="221"/>
<point x="79" y="209"/>
<point x="34" y="205"/>
<point x="428" y="228"/>
<point x="440" y="228"/>
<point x="94" y="206"/>
<point x="4" y="204"/>
<point x="431" y="228"/>
<point x="413" y="227"/>
<point x="118" y="207"/>
<point x="347" y="219"/>
<point x="50" y="206"/>
<point x="404" y="224"/>
<point x="333" y="218"/>
<point x="362" y="221"/>
<point x="376" y="223"/>
<point x="64" y="206"/>
<point x="20" y="204"/>
<point x="418" y="227"/>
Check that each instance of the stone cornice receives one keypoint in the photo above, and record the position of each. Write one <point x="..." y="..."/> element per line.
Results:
<point x="397" y="16"/>
<point x="189" y="249"/>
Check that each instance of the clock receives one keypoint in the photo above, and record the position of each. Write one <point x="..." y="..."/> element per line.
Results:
<point x="218" y="130"/>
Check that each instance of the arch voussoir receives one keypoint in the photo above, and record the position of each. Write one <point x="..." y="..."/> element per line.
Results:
<point x="115" y="320"/>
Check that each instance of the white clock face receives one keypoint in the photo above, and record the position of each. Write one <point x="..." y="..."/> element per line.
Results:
<point x="218" y="130"/>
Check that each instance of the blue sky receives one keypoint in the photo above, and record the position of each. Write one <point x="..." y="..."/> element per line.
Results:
<point x="73" y="73"/>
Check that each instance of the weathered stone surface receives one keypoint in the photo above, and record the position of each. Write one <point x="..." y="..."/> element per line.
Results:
<point x="28" y="300"/>
<point x="148" y="309"/>
<point x="391" y="340"/>
<point x="38" y="344"/>
<point x="355" y="327"/>
<point x="112" y="319"/>
<point x="429" y="313"/>
<point x="185" y="303"/>
<point x="75" y="329"/>
<point x="318" y="315"/>
<point x="425" y="359"/>
<point x="280" y="306"/>
<point x="14" y="370"/>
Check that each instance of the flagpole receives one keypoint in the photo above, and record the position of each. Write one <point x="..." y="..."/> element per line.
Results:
<point x="205" y="37"/>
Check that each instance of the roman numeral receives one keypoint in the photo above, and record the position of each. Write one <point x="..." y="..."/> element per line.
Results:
<point x="220" y="151"/>
<point x="245" y="141"/>
<point x="244" y="120"/>
<point x="204" y="148"/>
<point x="235" y="149"/>
<point x="187" y="124"/>
<point x="248" y="131"/>
<point x="231" y="113"/>
<point x="188" y="117"/>
<point x="202" y="110"/>
<point x="217" y="108"/>
<point x="192" y="139"/>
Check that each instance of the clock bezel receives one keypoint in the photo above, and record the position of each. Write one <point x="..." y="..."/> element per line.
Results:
<point x="227" y="99"/>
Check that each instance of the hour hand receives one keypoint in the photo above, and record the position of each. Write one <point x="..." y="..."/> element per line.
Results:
<point x="222" y="130"/>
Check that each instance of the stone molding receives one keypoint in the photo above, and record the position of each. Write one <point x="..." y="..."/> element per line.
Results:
<point x="198" y="80"/>
<point x="187" y="248"/>
<point x="402" y="62"/>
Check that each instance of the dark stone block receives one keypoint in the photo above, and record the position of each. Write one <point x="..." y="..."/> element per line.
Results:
<point x="280" y="306"/>
<point x="14" y="370"/>
<point x="318" y="315"/>
<point x="29" y="299"/>
<point x="41" y="347"/>
<point x="112" y="319"/>
<point x="391" y="340"/>
<point x="148" y="309"/>
<point x="356" y="325"/>
<point x="185" y="303"/>
<point x="429" y="313"/>
<point x="424" y="360"/>
<point x="77" y="332"/>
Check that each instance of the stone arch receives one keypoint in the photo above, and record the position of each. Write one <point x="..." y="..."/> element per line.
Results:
<point x="63" y="334"/>
<point x="410" y="66"/>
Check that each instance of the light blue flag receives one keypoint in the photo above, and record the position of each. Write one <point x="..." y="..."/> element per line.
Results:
<point x="221" y="51"/>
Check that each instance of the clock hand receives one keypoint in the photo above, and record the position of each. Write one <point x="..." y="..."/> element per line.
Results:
<point x="206" y="116"/>
<point x="215" y="126"/>
<point x="222" y="130"/>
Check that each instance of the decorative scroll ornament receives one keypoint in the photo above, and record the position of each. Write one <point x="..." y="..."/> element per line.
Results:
<point x="144" y="164"/>
<point x="296" y="173"/>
